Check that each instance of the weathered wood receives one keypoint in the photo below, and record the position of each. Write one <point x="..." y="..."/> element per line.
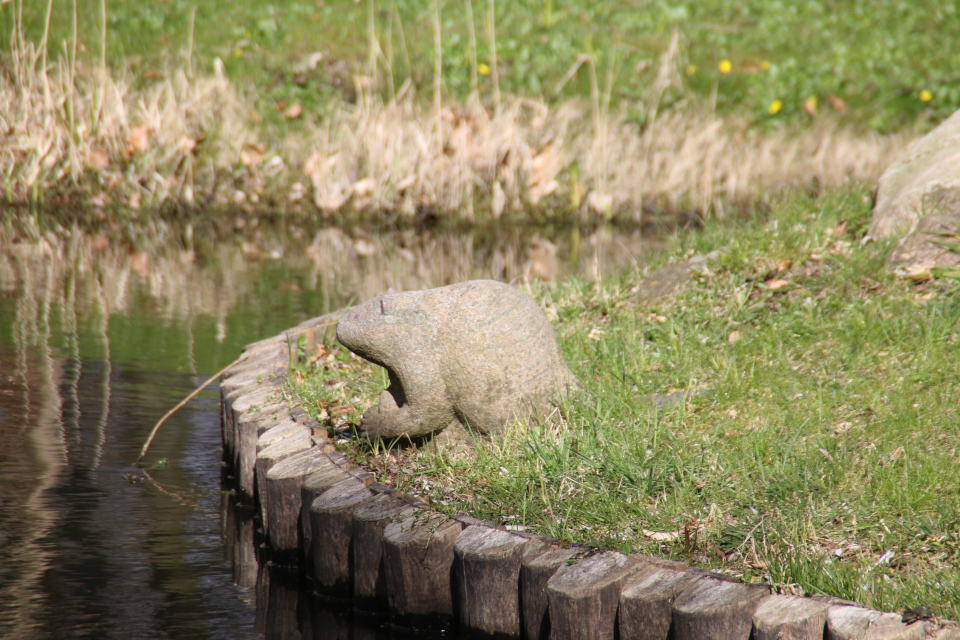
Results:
<point x="247" y="402"/>
<point x="331" y="520"/>
<point x="584" y="596"/>
<point x="265" y="361"/>
<point x="418" y="563"/>
<point x="250" y="377"/>
<point x="646" y="602"/>
<point x="328" y="619"/>
<point x="281" y="498"/>
<point x="229" y="416"/>
<point x="270" y="456"/>
<point x="717" y="609"/>
<point x="326" y="476"/>
<point x="249" y="429"/>
<point x="487" y="575"/>
<point x="369" y="520"/>
<point x="541" y="559"/>
<point x="238" y="539"/>
<point x="277" y="604"/>
<point x="280" y="429"/>
<point x="790" y="618"/>
<point x="857" y="623"/>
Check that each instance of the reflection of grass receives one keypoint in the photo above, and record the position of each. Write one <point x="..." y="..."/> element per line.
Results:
<point x="877" y="62"/>
<point x="822" y="455"/>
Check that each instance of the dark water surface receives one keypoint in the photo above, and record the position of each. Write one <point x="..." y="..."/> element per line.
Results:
<point x="102" y="332"/>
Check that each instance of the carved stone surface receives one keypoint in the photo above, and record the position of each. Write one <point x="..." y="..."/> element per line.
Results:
<point x="480" y="354"/>
<point x="918" y="197"/>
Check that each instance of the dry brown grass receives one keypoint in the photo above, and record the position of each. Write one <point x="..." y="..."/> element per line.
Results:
<point x="187" y="138"/>
<point x="69" y="129"/>
<point x="528" y="155"/>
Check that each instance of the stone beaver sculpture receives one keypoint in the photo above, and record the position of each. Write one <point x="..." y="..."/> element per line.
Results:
<point x="480" y="354"/>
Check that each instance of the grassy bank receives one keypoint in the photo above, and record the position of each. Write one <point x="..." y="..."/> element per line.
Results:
<point x="404" y="112"/>
<point x="817" y="451"/>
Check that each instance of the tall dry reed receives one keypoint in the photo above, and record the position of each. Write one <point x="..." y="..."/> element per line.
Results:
<point x="71" y="128"/>
<point x="187" y="137"/>
<point x="528" y="155"/>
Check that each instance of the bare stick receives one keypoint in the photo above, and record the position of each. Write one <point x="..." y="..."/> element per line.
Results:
<point x="190" y="397"/>
<point x="206" y="384"/>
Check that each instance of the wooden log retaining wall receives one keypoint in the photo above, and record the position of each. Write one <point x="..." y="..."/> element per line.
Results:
<point x="388" y="551"/>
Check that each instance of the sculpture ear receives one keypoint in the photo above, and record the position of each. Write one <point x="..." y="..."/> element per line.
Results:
<point x="384" y="306"/>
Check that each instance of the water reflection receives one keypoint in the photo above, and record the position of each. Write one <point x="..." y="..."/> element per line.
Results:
<point x="103" y="330"/>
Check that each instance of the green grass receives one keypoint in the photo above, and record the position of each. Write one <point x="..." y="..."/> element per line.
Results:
<point x="818" y="450"/>
<point x="875" y="62"/>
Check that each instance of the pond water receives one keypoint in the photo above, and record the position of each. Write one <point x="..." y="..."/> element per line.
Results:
<point x="103" y="330"/>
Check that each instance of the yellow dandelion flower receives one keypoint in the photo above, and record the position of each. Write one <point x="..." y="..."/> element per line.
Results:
<point x="765" y="65"/>
<point x="691" y="69"/>
<point x="483" y="69"/>
<point x="725" y="66"/>
<point x="925" y="96"/>
<point x="775" y="107"/>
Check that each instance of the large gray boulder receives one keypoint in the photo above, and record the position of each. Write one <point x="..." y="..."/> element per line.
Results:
<point x="479" y="354"/>
<point x="918" y="197"/>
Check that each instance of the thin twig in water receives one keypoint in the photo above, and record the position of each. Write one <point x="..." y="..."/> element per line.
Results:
<point x="210" y="381"/>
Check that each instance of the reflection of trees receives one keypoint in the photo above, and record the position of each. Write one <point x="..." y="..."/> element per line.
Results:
<point x="66" y="378"/>
<point x="34" y="450"/>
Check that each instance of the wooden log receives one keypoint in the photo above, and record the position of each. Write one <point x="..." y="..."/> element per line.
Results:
<point x="328" y="619"/>
<point x="717" y="609"/>
<point x="331" y="520"/>
<point x="369" y="520"/>
<point x="267" y="458"/>
<point x="487" y="575"/>
<point x="328" y="475"/>
<point x="238" y="539"/>
<point x="244" y="403"/>
<point x="584" y="596"/>
<point x="266" y="361"/>
<point x="790" y="618"/>
<point x="541" y="559"/>
<point x="418" y="563"/>
<point x="228" y="427"/>
<point x="277" y="429"/>
<point x="281" y="499"/>
<point x="249" y="429"/>
<point x="244" y="379"/>
<point x="278" y="599"/>
<point x="857" y="623"/>
<point x="646" y="602"/>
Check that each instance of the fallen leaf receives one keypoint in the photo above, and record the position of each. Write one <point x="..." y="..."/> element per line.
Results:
<point x="292" y="112"/>
<point x="601" y="203"/>
<point x="138" y="140"/>
<point x="919" y="273"/>
<point x="187" y="144"/>
<point x="776" y="283"/>
<point x="663" y="536"/>
<point x="734" y="337"/>
<point x="840" y="229"/>
<point x="783" y="265"/>
<point x="98" y="159"/>
<point x="837" y="103"/>
<point x="364" y="187"/>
